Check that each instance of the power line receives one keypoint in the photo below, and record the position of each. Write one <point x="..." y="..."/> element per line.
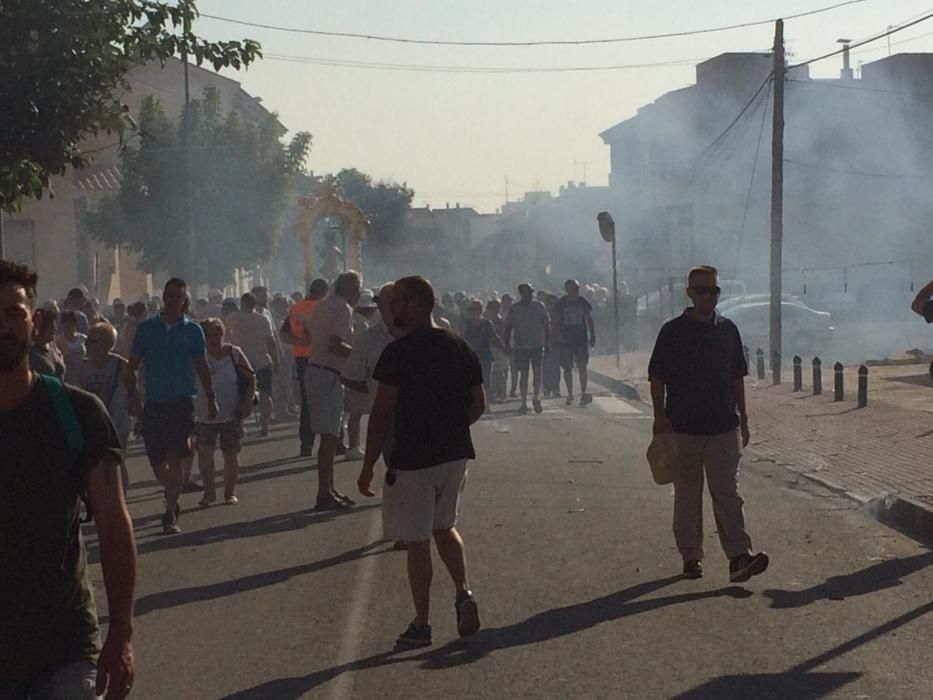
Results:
<point x="735" y="121"/>
<point x="751" y="183"/>
<point x="861" y="173"/>
<point x="557" y="42"/>
<point x="374" y="65"/>
<point x="864" y="41"/>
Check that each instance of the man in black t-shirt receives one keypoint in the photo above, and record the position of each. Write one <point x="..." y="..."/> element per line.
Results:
<point x="578" y="335"/>
<point x="697" y="374"/>
<point x="49" y="634"/>
<point x="430" y="393"/>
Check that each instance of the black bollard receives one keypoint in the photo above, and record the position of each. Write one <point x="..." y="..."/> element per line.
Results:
<point x="760" y="361"/>
<point x="840" y="393"/>
<point x="776" y="368"/>
<point x="862" y="386"/>
<point x="817" y="376"/>
<point x="798" y="373"/>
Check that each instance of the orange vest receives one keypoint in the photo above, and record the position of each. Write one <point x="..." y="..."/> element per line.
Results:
<point x="298" y="317"/>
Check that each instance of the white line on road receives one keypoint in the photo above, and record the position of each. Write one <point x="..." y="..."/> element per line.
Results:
<point x="342" y="687"/>
<point x="611" y="404"/>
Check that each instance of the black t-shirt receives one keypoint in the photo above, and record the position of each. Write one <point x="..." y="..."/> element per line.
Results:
<point x="571" y="314"/>
<point x="699" y="362"/>
<point x="47" y="613"/>
<point x="435" y="372"/>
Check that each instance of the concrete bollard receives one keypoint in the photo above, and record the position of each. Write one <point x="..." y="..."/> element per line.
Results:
<point x="798" y="373"/>
<point x="862" y="386"/>
<point x="760" y="361"/>
<point x="817" y="376"/>
<point x="776" y="368"/>
<point x="748" y="358"/>
<point x="839" y="389"/>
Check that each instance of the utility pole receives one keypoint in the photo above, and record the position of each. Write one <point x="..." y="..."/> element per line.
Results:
<point x="1" y="234"/>
<point x="191" y="244"/>
<point x="506" y="189"/>
<point x="777" y="200"/>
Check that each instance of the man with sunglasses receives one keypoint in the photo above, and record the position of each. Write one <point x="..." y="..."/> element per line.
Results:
<point x="697" y="373"/>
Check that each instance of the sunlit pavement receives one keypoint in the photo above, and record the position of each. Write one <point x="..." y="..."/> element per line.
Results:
<point x="573" y="563"/>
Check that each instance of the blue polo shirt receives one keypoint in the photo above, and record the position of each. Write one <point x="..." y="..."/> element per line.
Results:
<point x="167" y="353"/>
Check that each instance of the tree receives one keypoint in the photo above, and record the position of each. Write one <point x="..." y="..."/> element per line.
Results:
<point x="242" y="180"/>
<point x="61" y="64"/>
<point x="386" y="204"/>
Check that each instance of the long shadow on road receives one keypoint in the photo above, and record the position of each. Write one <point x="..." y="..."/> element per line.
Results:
<point x="799" y="682"/>
<point x="165" y="600"/>
<point x="273" y="524"/>
<point x="872" y="579"/>
<point x="545" y="626"/>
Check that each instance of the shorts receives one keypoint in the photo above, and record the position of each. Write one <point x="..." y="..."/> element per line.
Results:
<point x="526" y="356"/>
<point x="576" y="353"/>
<point x="325" y="400"/>
<point x="422" y="501"/>
<point x="264" y="380"/>
<point x="229" y="434"/>
<point x="167" y="427"/>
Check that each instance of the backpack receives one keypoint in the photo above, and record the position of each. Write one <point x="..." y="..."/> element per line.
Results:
<point x="74" y="436"/>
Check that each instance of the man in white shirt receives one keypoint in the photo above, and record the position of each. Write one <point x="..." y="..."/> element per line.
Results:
<point x="253" y="332"/>
<point x="530" y="326"/>
<point x="358" y="372"/>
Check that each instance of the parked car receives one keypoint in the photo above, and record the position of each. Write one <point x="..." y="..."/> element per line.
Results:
<point x="660" y="301"/>
<point x="805" y="330"/>
<point x="732" y="302"/>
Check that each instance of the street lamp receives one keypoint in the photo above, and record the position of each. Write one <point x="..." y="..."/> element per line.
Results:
<point x="607" y="229"/>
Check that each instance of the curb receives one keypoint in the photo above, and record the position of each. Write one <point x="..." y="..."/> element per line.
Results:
<point x="905" y="515"/>
<point x="625" y="389"/>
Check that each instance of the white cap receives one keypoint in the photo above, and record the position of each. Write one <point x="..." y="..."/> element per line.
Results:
<point x="367" y="300"/>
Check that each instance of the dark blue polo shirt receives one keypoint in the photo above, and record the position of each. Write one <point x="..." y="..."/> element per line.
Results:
<point x="699" y="361"/>
<point x="167" y="353"/>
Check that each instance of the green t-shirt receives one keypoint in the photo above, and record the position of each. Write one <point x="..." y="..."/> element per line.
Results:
<point x="47" y="613"/>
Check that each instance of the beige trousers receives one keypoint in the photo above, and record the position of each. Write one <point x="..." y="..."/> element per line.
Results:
<point x="718" y="456"/>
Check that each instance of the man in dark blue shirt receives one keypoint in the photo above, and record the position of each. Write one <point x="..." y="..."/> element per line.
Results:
<point x="697" y="373"/>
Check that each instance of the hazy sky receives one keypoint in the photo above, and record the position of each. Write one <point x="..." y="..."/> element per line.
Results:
<point x="455" y="137"/>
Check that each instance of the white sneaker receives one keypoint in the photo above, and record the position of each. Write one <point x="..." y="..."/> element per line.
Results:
<point x="355" y="455"/>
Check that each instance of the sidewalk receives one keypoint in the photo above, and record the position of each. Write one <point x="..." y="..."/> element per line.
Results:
<point x="879" y="455"/>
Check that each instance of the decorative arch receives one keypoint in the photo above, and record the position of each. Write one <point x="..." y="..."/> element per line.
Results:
<point x="328" y="204"/>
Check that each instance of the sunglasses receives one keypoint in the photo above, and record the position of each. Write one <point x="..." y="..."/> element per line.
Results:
<point x="704" y="290"/>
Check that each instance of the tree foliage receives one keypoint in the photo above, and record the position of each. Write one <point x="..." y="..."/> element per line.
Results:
<point x="242" y="180"/>
<point x="385" y="204"/>
<point x="61" y="64"/>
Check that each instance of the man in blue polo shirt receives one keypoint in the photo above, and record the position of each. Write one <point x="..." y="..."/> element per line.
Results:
<point x="697" y="374"/>
<point x="171" y="348"/>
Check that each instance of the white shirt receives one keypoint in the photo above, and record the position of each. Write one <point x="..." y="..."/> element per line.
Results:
<point x="367" y="349"/>
<point x="251" y="331"/>
<point x="226" y="390"/>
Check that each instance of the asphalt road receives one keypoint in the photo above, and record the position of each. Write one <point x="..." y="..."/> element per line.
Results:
<point x="572" y="560"/>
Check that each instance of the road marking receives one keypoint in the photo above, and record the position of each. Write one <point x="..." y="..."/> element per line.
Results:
<point x="611" y="404"/>
<point x="342" y="687"/>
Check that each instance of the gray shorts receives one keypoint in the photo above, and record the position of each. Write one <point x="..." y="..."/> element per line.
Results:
<point x="325" y="400"/>
<point x="422" y="501"/>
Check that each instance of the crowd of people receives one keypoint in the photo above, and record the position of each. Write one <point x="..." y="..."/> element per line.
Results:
<point x="424" y="369"/>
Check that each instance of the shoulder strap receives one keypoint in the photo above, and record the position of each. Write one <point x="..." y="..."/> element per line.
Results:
<point x="65" y="411"/>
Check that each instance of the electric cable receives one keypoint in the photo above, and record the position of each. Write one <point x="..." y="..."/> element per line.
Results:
<point x="895" y="30"/>
<point x="558" y="42"/>
<point x="751" y="183"/>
